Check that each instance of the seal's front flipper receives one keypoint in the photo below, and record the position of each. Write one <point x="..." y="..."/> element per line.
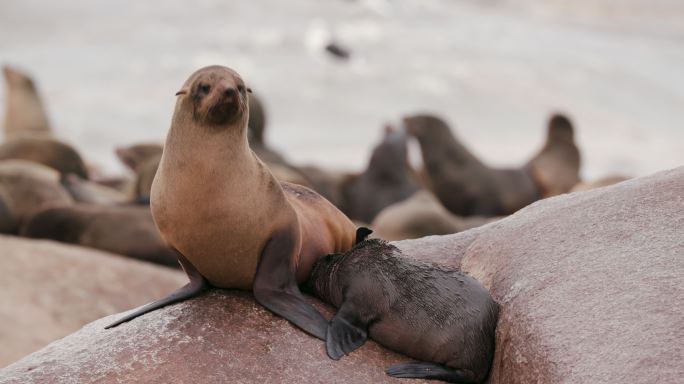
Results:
<point x="345" y="333"/>
<point x="362" y="233"/>
<point x="197" y="285"/>
<point x="275" y="287"/>
<point x="431" y="371"/>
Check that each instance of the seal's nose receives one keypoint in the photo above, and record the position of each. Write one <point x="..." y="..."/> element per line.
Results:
<point x="229" y="93"/>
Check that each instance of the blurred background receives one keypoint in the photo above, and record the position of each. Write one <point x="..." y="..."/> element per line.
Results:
<point x="495" y="70"/>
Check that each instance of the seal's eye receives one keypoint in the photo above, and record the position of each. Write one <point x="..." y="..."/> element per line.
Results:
<point x="241" y="88"/>
<point x="204" y="88"/>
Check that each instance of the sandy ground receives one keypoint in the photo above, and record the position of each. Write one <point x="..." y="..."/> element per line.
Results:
<point x="495" y="69"/>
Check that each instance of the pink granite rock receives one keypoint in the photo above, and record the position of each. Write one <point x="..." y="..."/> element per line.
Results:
<point x="49" y="290"/>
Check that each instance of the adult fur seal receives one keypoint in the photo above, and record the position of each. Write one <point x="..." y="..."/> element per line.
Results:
<point x="233" y="224"/>
<point x="26" y="187"/>
<point x="440" y="316"/>
<point x="125" y="230"/>
<point x="50" y="152"/>
<point x="387" y="179"/>
<point x="143" y="159"/>
<point x="464" y="184"/>
<point x="556" y="167"/>
<point x="24" y="114"/>
<point x="421" y="215"/>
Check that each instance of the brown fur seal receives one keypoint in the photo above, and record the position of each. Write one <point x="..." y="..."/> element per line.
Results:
<point x="53" y="153"/>
<point x="556" y="167"/>
<point x="464" y="184"/>
<point x="143" y="159"/>
<point x="387" y="179"/>
<point x="277" y="164"/>
<point x="438" y="315"/>
<point x="125" y="230"/>
<point x="89" y="192"/>
<point x="25" y="115"/>
<point x="233" y="224"/>
<point x="421" y="215"/>
<point x="26" y="187"/>
<point x="8" y="219"/>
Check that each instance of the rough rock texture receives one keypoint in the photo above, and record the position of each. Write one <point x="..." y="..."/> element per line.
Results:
<point x="221" y="337"/>
<point x="48" y="290"/>
<point x="590" y="286"/>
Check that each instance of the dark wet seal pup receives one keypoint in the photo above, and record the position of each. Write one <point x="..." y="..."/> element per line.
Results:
<point x="464" y="184"/>
<point x="50" y="152"/>
<point x="434" y="314"/>
<point x="24" y="113"/>
<point x="556" y="167"/>
<point x="388" y="179"/>
<point x="233" y="224"/>
<point x="124" y="230"/>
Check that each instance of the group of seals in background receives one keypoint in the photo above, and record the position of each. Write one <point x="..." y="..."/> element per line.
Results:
<point x="455" y="190"/>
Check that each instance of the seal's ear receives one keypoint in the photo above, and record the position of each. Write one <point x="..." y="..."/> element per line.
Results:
<point x="249" y="89"/>
<point x="362" y="233"/>
<point x="181" y="92"/>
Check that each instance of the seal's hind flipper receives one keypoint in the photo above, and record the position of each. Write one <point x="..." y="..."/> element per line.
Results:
<point x="362" y="233"/>
<point x="197" y="285"/>
<point x="345" y="332"/>
<point x="431" y="371"/>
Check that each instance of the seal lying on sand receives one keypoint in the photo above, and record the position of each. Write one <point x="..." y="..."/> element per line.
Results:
<point x="125" y="230"/>
<point x="440" y="316"/>
<point x="24" y="115"/>
<point x="387" y="180"/>
<point x="143" y="159"/>
<point x="50" y="152"/>
<point x="421" y="215"/>
<point x="464" y="184"/>
<point x="26" y="187"/>
<point x="233" y="224"/>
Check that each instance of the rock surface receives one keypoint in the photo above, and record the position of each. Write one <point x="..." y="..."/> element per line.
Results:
<point x="49" y="290"/>
<point x="590" y="286"/>
<point x="221" y="337"/>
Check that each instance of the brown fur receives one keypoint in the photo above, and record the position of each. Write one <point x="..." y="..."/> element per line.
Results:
<point x="53" y="153"/>
<point x="556" y="167"/>
<point x="89" y="192"/>
<point x="26" y="187"/>
<point x="24" y="114"/>
<point x="125" y="230"/>
<point x="464" y="184"/>
<point x="218" y="204"/>
<point x="388" y="179"/>
<point x="421" y="215"/>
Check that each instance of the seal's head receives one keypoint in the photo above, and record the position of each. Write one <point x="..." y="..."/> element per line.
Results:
<point x="560" y="128"/>
<point x="217" y="96"/>
<point x="16" y="78"/>
<point x="425" y="126"/>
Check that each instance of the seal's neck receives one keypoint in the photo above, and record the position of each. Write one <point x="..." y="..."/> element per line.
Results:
<point x="218" y="149"/>
<point x="323" y="278"/>
<point x="443" y="145"/>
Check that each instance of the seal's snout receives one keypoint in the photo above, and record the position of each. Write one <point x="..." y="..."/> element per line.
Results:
<point x="230" y="93"/>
